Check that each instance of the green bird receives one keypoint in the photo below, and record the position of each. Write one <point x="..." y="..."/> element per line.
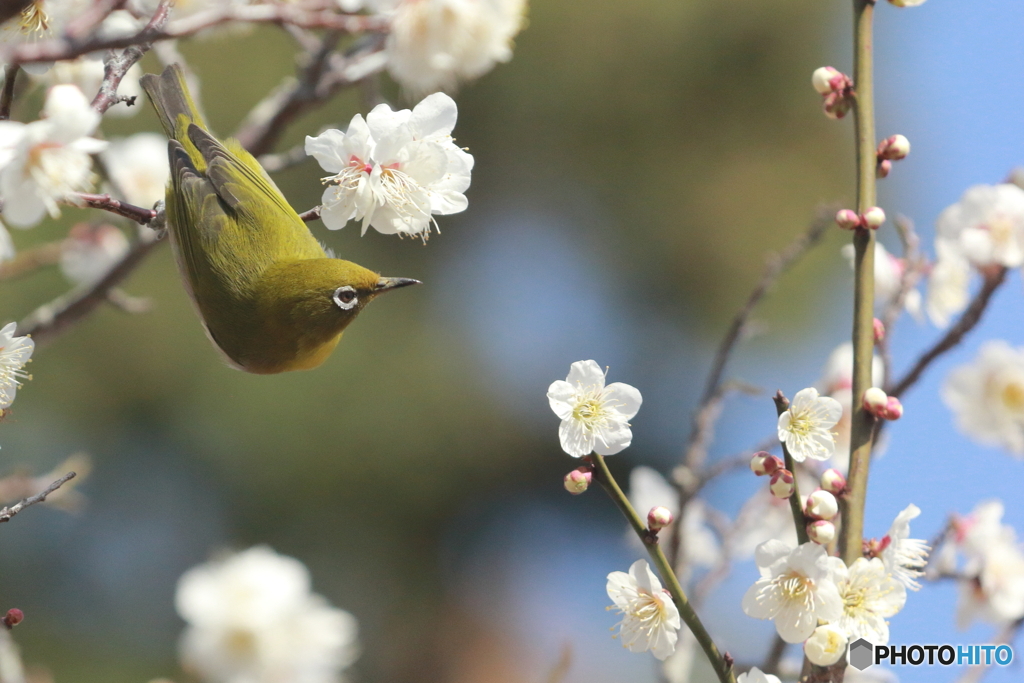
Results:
<point x="269" y="296"/>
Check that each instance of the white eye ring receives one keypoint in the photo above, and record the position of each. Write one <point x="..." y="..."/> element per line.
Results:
<point x="345" y="297"/>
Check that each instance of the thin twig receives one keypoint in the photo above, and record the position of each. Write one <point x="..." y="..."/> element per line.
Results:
<point x="968" y="320"/>
<point x="107" y="203"/>
<point x="115" y="66"/>
<point x="8" y="512"/>
<point x="311" y="16"/>
<point x="7" y="96"/>
<point x="311" y="215"/>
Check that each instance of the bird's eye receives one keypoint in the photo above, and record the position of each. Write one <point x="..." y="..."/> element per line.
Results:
<point x="345" y="297"/>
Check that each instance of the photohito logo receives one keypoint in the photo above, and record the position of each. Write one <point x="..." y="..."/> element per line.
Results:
<point x="863" y="654"/>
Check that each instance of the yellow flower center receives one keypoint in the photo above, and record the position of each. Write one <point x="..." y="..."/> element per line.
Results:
<point x="1013" y="397"/>
<point x="34" y="21"/>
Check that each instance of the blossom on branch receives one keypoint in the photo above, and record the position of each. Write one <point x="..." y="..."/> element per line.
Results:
<point x="904" y="557"/>
<point x="987" y="396"/>
<point x="395" y="169"/>
<point x="435" y="44"/>
<point x="595" y="418"/>
<point x="252" y="619"/>
<point x="870" y="595"/>
<point x="90" y="251"/>
<point x="805" y="426"/>
<point x="796" y="589"/>
<point x="40" y="20"/>
<point x="43" y="162"/>
<point x="15" y="352"/>
<point x="650" y="620"/>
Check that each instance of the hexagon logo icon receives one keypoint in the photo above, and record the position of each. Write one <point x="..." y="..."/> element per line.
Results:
<point x="861" y="654"/>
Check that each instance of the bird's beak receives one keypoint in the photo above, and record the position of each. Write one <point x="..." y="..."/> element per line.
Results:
<point x="386" y="284"/>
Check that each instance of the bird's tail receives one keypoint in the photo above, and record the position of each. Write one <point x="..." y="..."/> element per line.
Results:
<point x="173" y="104"/>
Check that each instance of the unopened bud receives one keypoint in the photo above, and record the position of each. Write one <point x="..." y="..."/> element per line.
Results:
<point x="764" y="463"/>
<point x="883" y="168"/>
<point x="833" y="481"/>
<point x="893" y="409"/>
<point x="875" y="401"/>
<point x="13" y="617"/>
<point x="826" y="646"/>
<point x="878" y="327"/>
<point x="659" y="518"/>
<point x="578" y="480"/>
<point x="894" y="147"/>
<point x="823" y="79"/>
<point x="781" y="485"/>
<point x="847" y="219"/>
<point x="837" y="104"/>
<point x="874" y="217"/>
<point x="821" y="532"/>
<point x="821" y="505"/>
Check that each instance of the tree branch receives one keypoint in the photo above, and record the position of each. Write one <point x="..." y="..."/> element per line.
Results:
<point x="7" y="96"/>
<point x="967" y="322"/>
<point x="9" y="512"/>
<point x="116" y="66"/>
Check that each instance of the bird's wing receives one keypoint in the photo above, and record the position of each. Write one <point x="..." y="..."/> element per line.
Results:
<point x="271" y="226"/>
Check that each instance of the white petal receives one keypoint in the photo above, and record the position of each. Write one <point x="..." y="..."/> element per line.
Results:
<point x="560" y="397"/>
<point x="623" y="398"/>
<point x="434" y="116"/>
<point x="575" y="439"/>
<point x="586" y="373"/>
<point x="612" y="439"/>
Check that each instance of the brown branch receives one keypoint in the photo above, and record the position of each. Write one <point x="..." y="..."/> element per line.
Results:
<point x="115" y="66"/>
<point x="967" y="322"/>
<point x="8" y="512"/>
<point x="50" y="319"/>
<point x="7" y="96"/>
<point x="108" y="203"/>
<point x="311" y="215"/>
<point x="318" y="15"/>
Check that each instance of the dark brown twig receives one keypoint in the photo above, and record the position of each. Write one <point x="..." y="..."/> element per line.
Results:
<point x="108" y="203"/>
<point x="968" y="320"/>
<point x="115" y="66"/>
<point x="311" y="215"/>
<point x="8" y="512"/>
<point x="7" y="96"/>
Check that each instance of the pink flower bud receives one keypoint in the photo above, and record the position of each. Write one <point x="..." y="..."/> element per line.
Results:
<point x="781" y="485"/>
<point x="847" y="219"/>
<point x="874" y="217"/>
<point x="879" y="329"/>
<point x="875" y="401"/>
<point x="823" y="78"/>
<point x="893" y="409"/>
<point x="833" y="481"/>
<point x="883" y="168"/>
<point x="13" y="617"/>
<point x="837" y="104"/>
<point x="821" y="505"/>
<point x="821" y="531"/>
<point x="578" y="480"/>
<point x="659" y="518"/>
<point x="764" y="463"/>
<point x="894" y="147"/>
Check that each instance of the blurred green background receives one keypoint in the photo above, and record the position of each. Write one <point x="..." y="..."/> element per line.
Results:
<point x="635" y="162"/>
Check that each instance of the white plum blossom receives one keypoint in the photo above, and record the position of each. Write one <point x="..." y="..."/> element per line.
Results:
<point x="648" y="489"/>
<point x="870" y="596"/>
<point x="15" y="353"/>
<point x="948" y="283"/>
<point x="650" y="620"/>
<point x="435" y="44"/>
<point x="395" y="169"/>
<point x="138" y="167"/>
<point x="796" y="589"/>
<point x="595" y="418"/>
<point x="42" y="162"/>
<point x="904" y="557"/>
<point x="90" y="251"/>
<point x="755" y="675"/>
<point x="826" y="645"/>
<point x="252" y="619"/>
<point x="40" y="20"/>
<point x="987" y="225"/>
<point x="987" y="396"/>
<point x="806" y="427"/>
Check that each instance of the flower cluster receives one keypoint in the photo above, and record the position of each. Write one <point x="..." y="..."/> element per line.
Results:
<point x="252" y="619"/>
<point x="394" y="170"/>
